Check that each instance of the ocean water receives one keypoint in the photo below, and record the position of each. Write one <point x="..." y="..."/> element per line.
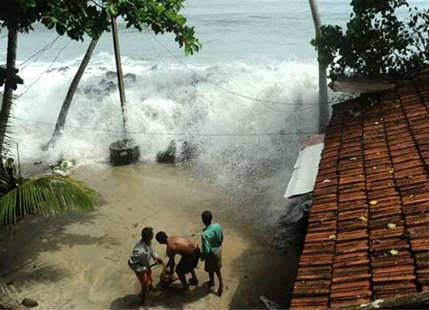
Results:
<point x="246" y="100"/>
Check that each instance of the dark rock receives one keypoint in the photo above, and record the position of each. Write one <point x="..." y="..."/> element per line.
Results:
<point x="92" y="91"/>
<point x="171" y="156"/>
<point x="110" y="74"/>
<point x="189" y="152"/>
<point x="130" y="78"/>
<point x="28" y="302"/>
<point x="60" y="69"/>
<point x="109" y="87"/>
<point x="168" y="156"/>
<point x="63" y="69"/>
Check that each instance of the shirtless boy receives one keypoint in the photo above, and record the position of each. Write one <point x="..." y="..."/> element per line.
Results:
<point x="190" y="255"/>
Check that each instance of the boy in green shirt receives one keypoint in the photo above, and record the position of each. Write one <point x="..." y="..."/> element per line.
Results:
<point x="212" y="239"/>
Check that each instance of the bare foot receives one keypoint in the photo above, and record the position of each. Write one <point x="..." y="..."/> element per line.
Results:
<point x="220" y="291"/>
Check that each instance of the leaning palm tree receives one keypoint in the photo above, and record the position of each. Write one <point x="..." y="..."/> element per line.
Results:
<point x="51" y="194"/>
<point x="72" y="90"/>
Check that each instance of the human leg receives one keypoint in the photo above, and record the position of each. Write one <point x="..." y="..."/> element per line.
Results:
<point x="143" y="296"/>
<point x="193" y="280"/>
<point x="181" y="270"/>
<point x="210" y="282"/>
<point x="145" y="278"/>
<point x="182" y="279"/>
<point x="219" y="277"/>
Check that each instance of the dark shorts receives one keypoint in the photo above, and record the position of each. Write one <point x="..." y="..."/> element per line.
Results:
<point x="188" y="262"/>
<point x="213" y="261"/>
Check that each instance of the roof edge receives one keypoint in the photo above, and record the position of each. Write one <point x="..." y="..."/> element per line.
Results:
<point x="418" y="299"/>
<point x="362" y="85"/>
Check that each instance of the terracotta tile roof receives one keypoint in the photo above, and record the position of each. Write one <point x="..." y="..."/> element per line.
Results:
<point x="368" y="232"/>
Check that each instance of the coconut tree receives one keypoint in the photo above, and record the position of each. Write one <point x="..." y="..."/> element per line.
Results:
<point x="70" y="94"/>
<point x="76" y="18"/>
<point x="164" y="19"/>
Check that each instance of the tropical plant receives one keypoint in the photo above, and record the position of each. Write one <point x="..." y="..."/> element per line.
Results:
<point x="50" y="194"/>
<point x="74" y="18"/>
<point x="376" y="41"/>
<point x="61" y="120"/>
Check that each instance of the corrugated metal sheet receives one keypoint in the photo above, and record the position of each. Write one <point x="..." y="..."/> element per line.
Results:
<point x="305" y="171"/>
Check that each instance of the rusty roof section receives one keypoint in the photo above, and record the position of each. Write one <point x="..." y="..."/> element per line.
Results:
<point x="368" y="232"/>
<point x="362" y="85"/>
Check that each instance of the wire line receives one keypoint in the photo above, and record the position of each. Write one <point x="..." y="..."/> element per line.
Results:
<point x="219" y="134"/>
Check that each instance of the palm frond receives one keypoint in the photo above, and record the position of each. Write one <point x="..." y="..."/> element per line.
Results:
<point x="47" y="195"/>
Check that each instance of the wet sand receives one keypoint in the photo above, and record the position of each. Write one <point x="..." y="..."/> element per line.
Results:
<point x="80" y="260"/>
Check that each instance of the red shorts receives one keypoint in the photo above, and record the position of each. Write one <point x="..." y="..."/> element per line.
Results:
<point x="145" y="278"/>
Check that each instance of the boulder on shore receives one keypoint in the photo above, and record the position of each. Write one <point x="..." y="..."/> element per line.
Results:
<point x="171" y="156"/>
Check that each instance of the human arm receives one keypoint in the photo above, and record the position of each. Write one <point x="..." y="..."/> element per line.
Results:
<point x="156" y="257"/>
<point x="205" y="246"/>
<point x="171" y="263"/>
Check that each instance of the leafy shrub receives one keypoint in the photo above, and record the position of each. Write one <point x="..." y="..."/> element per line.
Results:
<point x="376" y="41"/>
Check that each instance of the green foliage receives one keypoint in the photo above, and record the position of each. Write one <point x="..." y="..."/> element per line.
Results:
<point x="75" y="18"/>
<point x="47" y="195"/>
<point x="376" y="41"/>
<point x="16" y="78"/>
<point x="160" y="16"/>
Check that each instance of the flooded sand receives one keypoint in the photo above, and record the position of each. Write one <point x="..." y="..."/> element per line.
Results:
<point x="80" y="260"/>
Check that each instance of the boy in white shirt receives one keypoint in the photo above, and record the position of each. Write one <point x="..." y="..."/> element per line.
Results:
<point x="140" y="260"/>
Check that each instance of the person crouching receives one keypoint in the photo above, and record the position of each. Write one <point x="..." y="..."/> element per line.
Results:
<point x="190" y="256"/>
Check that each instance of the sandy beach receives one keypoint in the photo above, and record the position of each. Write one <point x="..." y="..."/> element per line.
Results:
<point x="80" y="260"/>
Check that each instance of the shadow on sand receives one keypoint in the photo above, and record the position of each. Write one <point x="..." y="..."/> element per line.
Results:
<point x="172" y="297"/>
<point x="22" y="244"/>
<point x="268" y="279"/>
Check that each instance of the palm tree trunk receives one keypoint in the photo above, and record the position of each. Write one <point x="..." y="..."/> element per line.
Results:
<point x="323" y="84"/>
<point x="72" y="90"/>
<point x="8" y="87"/>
